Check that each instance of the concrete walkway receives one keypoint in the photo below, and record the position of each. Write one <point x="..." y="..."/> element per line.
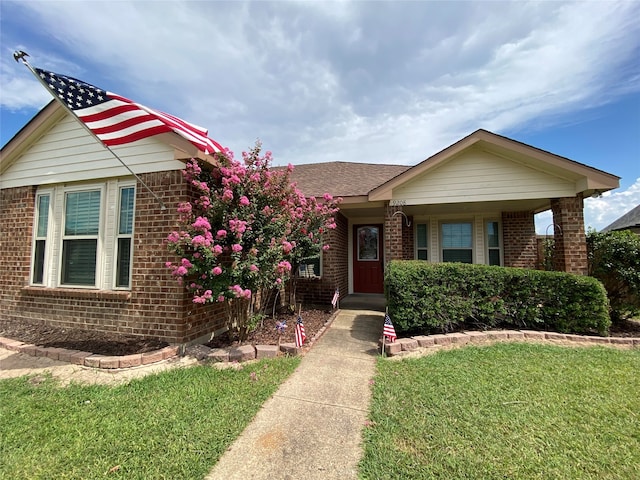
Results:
<point x="311" y="428"/>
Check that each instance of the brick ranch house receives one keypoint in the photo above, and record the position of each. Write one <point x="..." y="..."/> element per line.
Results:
<point x="82" y="243"/>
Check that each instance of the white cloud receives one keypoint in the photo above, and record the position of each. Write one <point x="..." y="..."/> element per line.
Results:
<point x="602" y="211"/>
<point x="598" y="212"/>
<point x="356" y="81"/>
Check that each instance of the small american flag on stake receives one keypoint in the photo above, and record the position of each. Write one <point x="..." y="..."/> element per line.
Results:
<point x="116" y="120"/>
<point x="388" y="330"/>
<point x="300" y="335"/>
<point x="336" y="297"/>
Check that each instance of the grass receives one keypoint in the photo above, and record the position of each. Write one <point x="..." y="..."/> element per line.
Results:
<point x="516" y="411"/>
<point x="171" y="425"/>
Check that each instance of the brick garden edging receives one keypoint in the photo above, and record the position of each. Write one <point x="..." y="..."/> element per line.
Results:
<point x="406" y="345"/>
<point x="88" y="359"/>
<point x="201" y="352"/>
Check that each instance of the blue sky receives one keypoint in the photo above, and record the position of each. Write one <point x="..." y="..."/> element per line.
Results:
<point x="379" y="82"/>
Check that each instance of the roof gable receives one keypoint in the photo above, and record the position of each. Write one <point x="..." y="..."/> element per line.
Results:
<point x="587" y="179"/>
<point x="475" y="175"/>
<point x="54" y="147"/>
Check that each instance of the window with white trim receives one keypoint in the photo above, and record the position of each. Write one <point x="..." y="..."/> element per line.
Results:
<point x="83" y="235"/>
<point x="80" y="238"/>
<point x="457" y="242"/>
<point x="422" y="241"/>
<point x="125" y="237"/>
<point x="494" y="252"/>
<point x="41" y="227"/>
<point x="310" y="267"/>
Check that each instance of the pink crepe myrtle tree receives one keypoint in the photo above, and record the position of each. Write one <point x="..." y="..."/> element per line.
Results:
<point x="244" y="233"/>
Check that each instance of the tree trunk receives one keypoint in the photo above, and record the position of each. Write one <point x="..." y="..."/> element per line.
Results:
<point x="237" y="311"/>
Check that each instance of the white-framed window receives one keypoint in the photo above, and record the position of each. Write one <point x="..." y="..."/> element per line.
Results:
<point x="83" y="235"/>
<point x="126" y="200"/>
<point x="311" y="267"/>
<point x="80" y="237"/>
<point x="422" y="241"/>
<point x="456" y="239"/>
<point x="40" y="244"/>
<point x="494" y="245"/>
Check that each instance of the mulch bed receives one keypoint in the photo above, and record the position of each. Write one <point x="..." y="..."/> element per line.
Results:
<point x="115" y="344"/>
<point x="105" y="343"/>
<point x="267" y="334"/>
<point x="102" y="343"/>
<point x="626" y="328"/>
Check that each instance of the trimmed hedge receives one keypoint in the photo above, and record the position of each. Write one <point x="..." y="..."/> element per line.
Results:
<point x="431" y="298"/>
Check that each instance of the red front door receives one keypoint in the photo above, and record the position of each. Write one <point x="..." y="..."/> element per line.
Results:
<point x="367" y="259"/>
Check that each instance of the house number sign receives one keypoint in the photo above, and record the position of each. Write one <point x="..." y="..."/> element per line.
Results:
<point x="397" y="203"/>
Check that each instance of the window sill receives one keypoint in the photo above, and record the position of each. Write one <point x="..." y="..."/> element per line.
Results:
<point x="118" y="295"/>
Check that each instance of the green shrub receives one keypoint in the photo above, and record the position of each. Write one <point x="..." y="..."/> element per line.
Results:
<point x="443" y="297"/>
<point x="614" y="259"/>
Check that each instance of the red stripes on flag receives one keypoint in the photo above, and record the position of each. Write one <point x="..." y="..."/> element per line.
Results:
<point x="120" y="120"/>
<point x="388" y="330"/>
<point x="300" y="335"/>
<point x="116" y="120"/>
<point x="336" y="297"/>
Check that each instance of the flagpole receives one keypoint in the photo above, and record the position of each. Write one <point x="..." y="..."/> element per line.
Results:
<point x="19" y="55"/>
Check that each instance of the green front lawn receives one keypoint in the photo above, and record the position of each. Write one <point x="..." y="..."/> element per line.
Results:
<point x="173" y="425"/>
<point x="508" y="411"/>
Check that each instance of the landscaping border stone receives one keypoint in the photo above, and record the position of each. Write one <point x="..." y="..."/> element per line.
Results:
<point x="404" y="346"/>
<point x="401" y="346"/>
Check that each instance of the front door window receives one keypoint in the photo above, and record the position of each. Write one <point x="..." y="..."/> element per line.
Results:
<point x="368" y="242"/>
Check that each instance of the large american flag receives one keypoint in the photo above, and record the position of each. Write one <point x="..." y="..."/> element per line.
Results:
<point x="116" y="120"/>
<point x="300" y="335"/>
<point x="388" y="330"/>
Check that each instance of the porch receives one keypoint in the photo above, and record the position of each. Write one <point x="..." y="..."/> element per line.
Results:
<point x="364" y="301"/>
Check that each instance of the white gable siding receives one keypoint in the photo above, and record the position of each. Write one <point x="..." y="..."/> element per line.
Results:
<point x="68" y="153"/>
<point x="478" y="176"/>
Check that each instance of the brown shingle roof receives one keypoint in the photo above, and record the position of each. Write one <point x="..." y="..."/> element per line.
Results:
<point x="343" y="179"/>
<point x="631" y="219"/>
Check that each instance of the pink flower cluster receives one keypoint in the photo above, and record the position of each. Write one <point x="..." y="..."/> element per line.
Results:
<point x="204" y="298"/>
<point x="238" y="292"/>
<point x="246" y="226"/>
<point x="179" y="270"/>
<point x="283" y="267"/>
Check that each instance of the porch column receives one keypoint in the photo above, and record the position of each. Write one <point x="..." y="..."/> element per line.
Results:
<point x="519" y="239"/>
<point x="570" y="254"/>
<point x="393" y="233"/>
<point x="407" y="238"/>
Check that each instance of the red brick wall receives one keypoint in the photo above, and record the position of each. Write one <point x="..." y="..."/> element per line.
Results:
<point x="393" y="249"/>
<point x="16" y="215"/>
<point x="335" y="269"/>
<point x="407" y="239"/>
<point x="519" y="239"/>
<point x="570" y="253"/>
<point x="156" y="306"/>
